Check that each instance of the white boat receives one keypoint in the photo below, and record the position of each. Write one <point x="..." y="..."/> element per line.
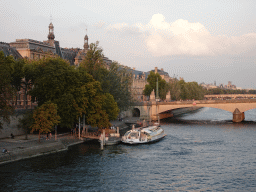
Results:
<point x="143" y="135"/>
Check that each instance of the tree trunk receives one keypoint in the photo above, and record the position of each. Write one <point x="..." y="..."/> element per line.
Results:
<point x="39" y="137"/>
<point x="25" y="103"/>
<point x="26" y="134"/>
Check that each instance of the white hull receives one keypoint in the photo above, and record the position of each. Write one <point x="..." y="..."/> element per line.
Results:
<point x="143" y="135"/>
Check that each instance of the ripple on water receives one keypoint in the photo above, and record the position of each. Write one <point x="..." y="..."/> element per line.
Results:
<point x="190" y="158"/>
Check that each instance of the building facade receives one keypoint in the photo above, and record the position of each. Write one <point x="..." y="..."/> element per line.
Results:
<point x="33" y="50"/>
<point x="139" y="82"/>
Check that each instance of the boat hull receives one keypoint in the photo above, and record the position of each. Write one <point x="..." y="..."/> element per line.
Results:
<point x="130" y="142"/>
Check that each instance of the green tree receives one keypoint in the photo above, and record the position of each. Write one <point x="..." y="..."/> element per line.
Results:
<point x="114" y="79"/>
<point x="152" y="80"/>
<point x="74" y="91"/>
<point x="117" y="81"/>
<point x="26" y="122"/>
<point x="17" y="76"/>
<point x="45" y="118"/>
<point x="93" y="62"/>
<point x="175" y="89"/>
<point x="6" y="89"/>
<point x="110" y="106"/>
<point x="190" y="90"/>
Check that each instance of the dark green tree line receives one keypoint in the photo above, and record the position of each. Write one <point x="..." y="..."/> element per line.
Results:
<point x="180" y="89"/>
<point x="114" y="79"/>
<point x="75" y="92"/>
<point x="7" y="91"/>
<point x="152" y="80"/>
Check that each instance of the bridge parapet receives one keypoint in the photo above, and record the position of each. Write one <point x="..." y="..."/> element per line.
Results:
<point x="221" y="96"/>
<point x="147" y="103"/>
<point x="152" y="109"/>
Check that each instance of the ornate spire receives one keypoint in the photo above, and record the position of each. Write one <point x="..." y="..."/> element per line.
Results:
<point x="51" y="32"/>
<point x="86" y="46"/>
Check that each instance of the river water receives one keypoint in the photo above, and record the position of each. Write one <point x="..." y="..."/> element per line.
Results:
<point x="202" y="152"/>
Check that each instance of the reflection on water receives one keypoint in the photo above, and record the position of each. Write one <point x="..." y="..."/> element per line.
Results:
<point x="212" y="114"/>
<point x="192" y="157"/>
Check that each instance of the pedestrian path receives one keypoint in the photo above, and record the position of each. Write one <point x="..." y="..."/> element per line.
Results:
<point x="20" y="148"/>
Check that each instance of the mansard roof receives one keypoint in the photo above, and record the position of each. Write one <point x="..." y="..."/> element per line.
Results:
<point x="8" y="50"/>
<point x="29" y="43"/>
<point x="69" y="54"/>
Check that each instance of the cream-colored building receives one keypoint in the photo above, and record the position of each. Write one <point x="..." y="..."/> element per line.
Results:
<point x="139" y="82"/>
<point x="33" y="49"/>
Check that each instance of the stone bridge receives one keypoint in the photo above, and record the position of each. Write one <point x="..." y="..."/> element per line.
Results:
<point x="230" y="96"/>
<point x="154" y="110"/>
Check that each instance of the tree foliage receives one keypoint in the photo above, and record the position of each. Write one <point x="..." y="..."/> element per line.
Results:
<point x="175" y="89"/>
<point x="26" y="122"/>
<point x="74" y="91"/>
<point x="110" y="106"/>
<point x="45" y="118"/>
<point x="115" y="80"/>
<point x="217" y="91"/>
<point x="6" y="89"/>
<point x="185" y="90"/>
<point x="93" y="62"/>
<point x="152" y="80"/>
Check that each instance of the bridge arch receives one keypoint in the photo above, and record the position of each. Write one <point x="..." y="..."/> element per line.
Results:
<point x="136" y="112"/>
<point x="151" y="109"/>
<point x="231" y="107"/>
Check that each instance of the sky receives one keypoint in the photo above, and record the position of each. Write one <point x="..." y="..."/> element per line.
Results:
<point x="198" y="40"/>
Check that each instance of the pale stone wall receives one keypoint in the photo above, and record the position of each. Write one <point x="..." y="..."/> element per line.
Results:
<point x="11" y="128"/>
<point x="138" y="86"/>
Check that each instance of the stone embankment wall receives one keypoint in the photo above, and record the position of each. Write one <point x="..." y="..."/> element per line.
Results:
<point x="32" y="151"/>
<point x="32" y="148"/>
<point x="11" y="127"/>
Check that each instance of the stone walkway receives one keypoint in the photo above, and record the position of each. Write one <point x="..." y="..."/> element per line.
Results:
<point x="20" y="148"/>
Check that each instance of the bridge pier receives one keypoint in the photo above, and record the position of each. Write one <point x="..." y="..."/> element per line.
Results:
<point x="238" y="116"/>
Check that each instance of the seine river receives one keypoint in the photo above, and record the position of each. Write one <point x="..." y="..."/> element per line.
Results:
<point x="202" y="152"/>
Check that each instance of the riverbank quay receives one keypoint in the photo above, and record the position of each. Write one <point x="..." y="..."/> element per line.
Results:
<point x="19" y="148"/>
<point x="123" y="123"/>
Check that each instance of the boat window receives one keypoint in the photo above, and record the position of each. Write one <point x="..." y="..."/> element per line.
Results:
<point x="127" y="133"/>
<point x="134" y="134"/>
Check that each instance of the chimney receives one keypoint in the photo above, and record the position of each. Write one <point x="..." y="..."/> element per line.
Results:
<point x="155" y="69"/>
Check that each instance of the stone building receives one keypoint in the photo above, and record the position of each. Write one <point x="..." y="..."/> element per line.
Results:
<point x="33" y="49"/>
<point x="82" y="53"/>
<point x="8" y="50"/>
<point x="139" y="82"/>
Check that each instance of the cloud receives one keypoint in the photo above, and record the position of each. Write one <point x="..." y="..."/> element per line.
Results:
<point x="99" y="24"/>
<point x="181" y="37"/>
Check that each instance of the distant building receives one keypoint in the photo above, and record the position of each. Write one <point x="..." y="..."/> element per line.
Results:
<point x="221" y="86"/>
<point x="140" y="81"/>
<point x="8" y="50"/>
<point x="33" y="50"/>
